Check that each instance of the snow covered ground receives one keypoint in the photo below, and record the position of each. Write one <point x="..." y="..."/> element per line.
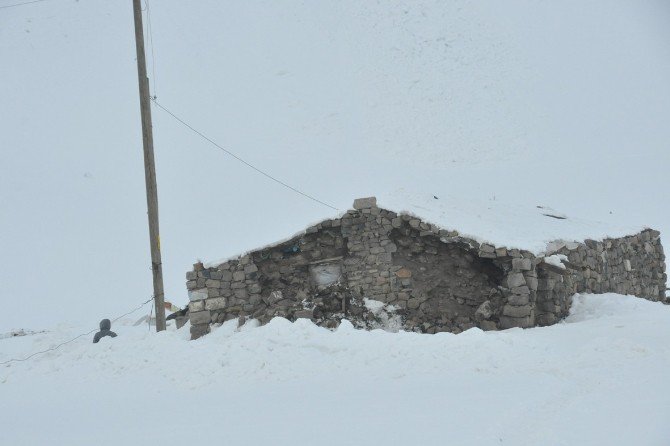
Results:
<point x="598" y="378"/>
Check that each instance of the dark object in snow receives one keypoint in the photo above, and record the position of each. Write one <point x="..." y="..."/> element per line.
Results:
<point x="180" y="317"/>
<point x="436" y="197"/>
<point x="558" y="217"/>
<point x="177" y="314"/>
<point x="105" y="326"/>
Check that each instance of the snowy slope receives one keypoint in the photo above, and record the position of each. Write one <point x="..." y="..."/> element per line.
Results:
<point x="599" y="378"/>
<point x="520" y="103"/>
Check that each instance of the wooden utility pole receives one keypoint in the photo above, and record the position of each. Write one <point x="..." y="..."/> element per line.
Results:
<point x="149" y="169"/>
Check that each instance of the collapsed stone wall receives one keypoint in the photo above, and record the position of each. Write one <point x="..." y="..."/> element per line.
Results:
<point x="373" y="266"/>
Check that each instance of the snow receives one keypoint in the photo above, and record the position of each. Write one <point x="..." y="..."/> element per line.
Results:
<point x="556" y="260"/>
<point x="597" y="378"/>
<point x="385" y="313"/>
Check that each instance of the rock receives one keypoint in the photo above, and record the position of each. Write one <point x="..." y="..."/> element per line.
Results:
<point x="210" y="283"/>
<point x="199" y="294"/>
<point x="532" y="283"/>
<point x="488" y="325"/>
<point x="510" y="322"/>
<point x="484" y="311"/>
<point x="200" y="317"/>
<point x="518" y="299"/>
<point x="303" y="314"/>
<point x="198" y="305"/>
<point x="239" y="276"/>
<point x="521" y="264"/>
<point x="198" y="331"/>
<point x="487" y="248"/>
<point x="365" y="203"/>
<point x="521" y="290"/>
<point x="215" y="303"/>
<point x="515" y="280"/>
<point x="518" y="312"/>
<point x="414" y="303"/>
<point x="403" y="273"/>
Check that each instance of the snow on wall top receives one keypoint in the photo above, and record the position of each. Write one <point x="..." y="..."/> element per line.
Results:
<point x="503" y="224"/>
<point x="533" y="228"/>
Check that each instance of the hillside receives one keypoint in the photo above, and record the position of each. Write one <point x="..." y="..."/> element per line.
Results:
<point x="478" y="116"/>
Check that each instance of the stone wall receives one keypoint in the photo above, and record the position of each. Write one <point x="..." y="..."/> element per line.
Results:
<point x="373" y="266"/>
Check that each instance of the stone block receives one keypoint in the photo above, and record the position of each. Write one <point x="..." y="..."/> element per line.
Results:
<point x="198" y="305"/>
<point x="487" y="325"/>
<point x="515" y="280"/>
<point x="414" y="303"/>
<point x="517" y="311"/>
<point x="198" y="331"/>
<point x="518" y="299"/>
<point x="211" y="283"/>
<point x="484" y="311"/>
<point x="488" y="248"/>
<point x="403" y="273"/>
<point x="521" y="264"/>
<point x="199" y="294"/>
<point x="200" y="317"/>
<point x="523" y="289"/>
<point x="215" y="303"/>
<point x="303" y="314"/>
<point x="365" y="203"/>
<point x="239" y="276"/>
<point x="510" y="322"/>
<point x="532" y="283"/>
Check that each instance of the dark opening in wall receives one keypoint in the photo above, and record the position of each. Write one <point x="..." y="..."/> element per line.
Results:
<point x="447" y="279"/>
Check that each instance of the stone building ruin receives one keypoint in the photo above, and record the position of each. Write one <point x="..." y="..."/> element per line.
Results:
<point x="377" y="268"/>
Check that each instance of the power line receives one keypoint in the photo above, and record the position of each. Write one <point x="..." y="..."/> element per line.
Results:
<point x="21" y="4"/>
<point x="262" y="172"/>
<point x="73" y="339"/>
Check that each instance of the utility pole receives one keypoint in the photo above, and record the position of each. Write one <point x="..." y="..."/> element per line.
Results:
<point x="149" y="169"/>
